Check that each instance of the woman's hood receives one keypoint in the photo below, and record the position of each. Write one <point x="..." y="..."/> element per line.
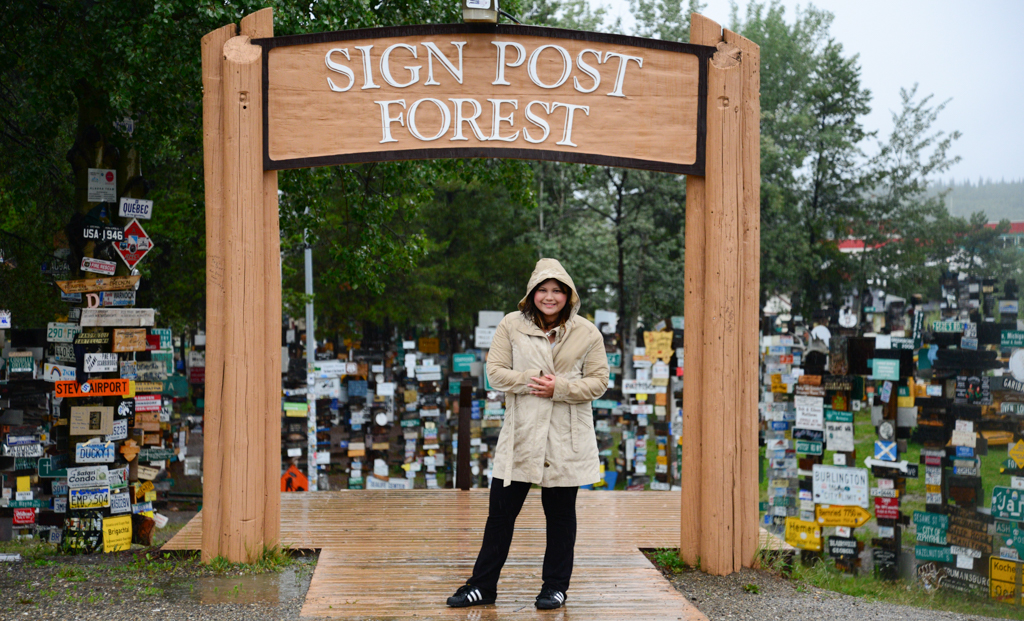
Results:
<point x="551" y="268"/>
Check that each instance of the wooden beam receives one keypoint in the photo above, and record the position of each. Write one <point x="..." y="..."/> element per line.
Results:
<point x="749" y="323"/>
<point x="260" y="25"/>
<point x="213" y="174"/>
<point x="703" y="31"/>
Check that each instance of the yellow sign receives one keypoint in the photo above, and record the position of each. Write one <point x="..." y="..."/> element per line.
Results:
<point x="837" y="515"/>
<point x="117" y="533"/>
<point x="658" y="345"/>
<point x="24" y="484"/>
<point x="803" y="535"/>
<point x="1004" y="576"/>
<point x="1016" y="453"/>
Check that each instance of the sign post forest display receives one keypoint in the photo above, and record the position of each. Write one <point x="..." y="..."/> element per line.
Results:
<point x="480" y="90"/>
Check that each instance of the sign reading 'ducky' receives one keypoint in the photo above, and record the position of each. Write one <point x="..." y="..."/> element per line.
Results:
<point x="459" y="91"/>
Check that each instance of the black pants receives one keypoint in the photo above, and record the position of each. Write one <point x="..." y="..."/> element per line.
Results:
<point x="505" y="504"/>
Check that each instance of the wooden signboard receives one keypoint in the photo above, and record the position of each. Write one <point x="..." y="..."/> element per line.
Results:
<point x="454" y="90"/>
<point x="91" y="420"/>
<point x="114" y="283"/>
<point x="129" y="339"/>
<point x="92" y="317"/>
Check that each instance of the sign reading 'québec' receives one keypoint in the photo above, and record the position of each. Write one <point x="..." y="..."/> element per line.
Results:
<point x="471" y="91"/>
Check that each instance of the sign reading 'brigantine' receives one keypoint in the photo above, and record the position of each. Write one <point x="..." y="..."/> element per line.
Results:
<point x="471" y="91"/>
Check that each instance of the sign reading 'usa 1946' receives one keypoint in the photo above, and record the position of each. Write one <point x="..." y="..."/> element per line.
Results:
<point x="466" y="90"/>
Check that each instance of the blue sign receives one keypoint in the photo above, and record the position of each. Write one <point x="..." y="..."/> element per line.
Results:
<point x="964" y="451"/>
<point x="886" y="451"/>
<point x="780" y="425"/>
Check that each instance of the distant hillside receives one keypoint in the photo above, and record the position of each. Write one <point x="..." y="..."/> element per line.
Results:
<point x="998" y="200"/>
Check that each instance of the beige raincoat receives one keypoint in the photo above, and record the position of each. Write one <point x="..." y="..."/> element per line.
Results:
<point x="550" y="442"/>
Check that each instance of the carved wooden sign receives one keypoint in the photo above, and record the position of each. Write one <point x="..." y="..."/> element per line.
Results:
<point x="463" y="90"/>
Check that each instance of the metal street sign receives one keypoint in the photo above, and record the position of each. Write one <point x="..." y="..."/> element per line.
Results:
<point x="135" y="208"/>
<point x="100" y="363"/>
<point x="1008" y="503"/>
<point x="92" y="388"/>
<point x="61" y="332"/>
<point x="135" y="245"/>
<point x="98" y="266"/>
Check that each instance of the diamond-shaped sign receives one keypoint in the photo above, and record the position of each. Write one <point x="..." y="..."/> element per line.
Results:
<point x="885" y="450"/>
<point x="135" y="244"/>
<point x="1016" y="453"/>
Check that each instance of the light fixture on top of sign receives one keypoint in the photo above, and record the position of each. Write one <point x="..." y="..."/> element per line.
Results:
<point x="480" y="11"/>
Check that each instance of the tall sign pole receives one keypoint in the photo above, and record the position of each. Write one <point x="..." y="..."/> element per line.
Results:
<point x="311" y="445"/>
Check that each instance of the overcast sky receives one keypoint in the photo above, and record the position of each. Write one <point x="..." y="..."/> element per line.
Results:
<point x="968" y="52"/>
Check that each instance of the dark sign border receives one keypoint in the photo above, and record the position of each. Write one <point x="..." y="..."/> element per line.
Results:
<point x="702" y="52"/>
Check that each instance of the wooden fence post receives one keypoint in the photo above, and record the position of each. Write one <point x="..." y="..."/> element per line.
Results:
<point x="719" y="499"/>
<point x="241" y="510"/>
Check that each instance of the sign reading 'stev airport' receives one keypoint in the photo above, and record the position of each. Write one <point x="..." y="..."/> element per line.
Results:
<point x="483" y="91"/>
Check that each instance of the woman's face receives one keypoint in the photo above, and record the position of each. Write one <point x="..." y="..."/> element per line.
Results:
<point x="550" y="299"/>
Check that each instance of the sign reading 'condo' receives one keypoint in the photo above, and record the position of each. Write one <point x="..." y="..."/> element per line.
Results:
<point x="462" y="91"/>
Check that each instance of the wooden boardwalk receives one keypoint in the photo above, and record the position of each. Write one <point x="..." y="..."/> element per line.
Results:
<point x="399" y="554"/>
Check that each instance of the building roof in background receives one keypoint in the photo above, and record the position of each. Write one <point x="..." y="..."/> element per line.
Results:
<point x="1016" y="228"/>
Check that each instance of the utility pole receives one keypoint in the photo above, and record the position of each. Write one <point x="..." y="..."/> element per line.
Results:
<point x="311" y="446"/>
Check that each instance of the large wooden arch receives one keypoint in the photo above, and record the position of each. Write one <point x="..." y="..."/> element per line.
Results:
<point x="241" y="497"/>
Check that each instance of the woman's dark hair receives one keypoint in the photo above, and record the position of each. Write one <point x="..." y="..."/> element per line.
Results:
<point x="530" y="310"/>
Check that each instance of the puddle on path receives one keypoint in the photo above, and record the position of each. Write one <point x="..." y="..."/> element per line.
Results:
<point x="271" y="588"/>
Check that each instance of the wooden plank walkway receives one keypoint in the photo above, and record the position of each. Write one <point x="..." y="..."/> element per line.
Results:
<point x="399" y="554"/>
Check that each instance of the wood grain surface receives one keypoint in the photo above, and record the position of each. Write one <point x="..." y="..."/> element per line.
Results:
<point x="399" y="554"/>
<point x="656" y="120"/>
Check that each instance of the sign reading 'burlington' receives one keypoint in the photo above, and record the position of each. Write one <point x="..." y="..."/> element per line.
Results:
<point x="475" y="91"/>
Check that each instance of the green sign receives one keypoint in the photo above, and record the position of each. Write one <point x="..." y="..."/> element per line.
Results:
<point x="461" y="362"/>
<point x="25" y="463"/>
<point x="808" y="447"/>
<point x="932" y="553"/>
<point x="762" y="506"/>
<point x="24" y="504"/>
<point x="166" y="357"/>
<point x="885" y="369"/>
<point x="604" y="404"/>
<point x="411" y="422"/>
<point x="834" y="416"/>
<point x="1008" y="503"/>
<point x="948" y="326"/>
<point x="156" y="454"/>
<point x="20" y="364"/>
<point x="614" y="360"/>
<point x="1011" y="338"/>
<point x="53" y="467"/>
<point x="1005" y="528"/>
<point x="165" y="336"/>
<point x="454" y="385"/>
<point x="293" y="406"/>
<point x="175" y="386"/>
<point x="931" y="527"/>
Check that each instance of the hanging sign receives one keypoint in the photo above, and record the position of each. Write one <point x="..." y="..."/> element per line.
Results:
<point x="58" y="373"/>
<point x="135" y="208"/>
<point x="92" y="317"/>
<point x="836" y="515"/>
<point x="89" y="498"/>
<point x="92" y="388"/>
<point x="114" y="283"/>
<point x="94" y="452"/>
<point x="102" y="185"/>
<point x="834" y="485"/>
<point x="100" y="363"/>
<point x="91" y="420"/>
<point x="129" y="340"/>
<point x="88" y="476"/>
<point x="135" y="245"/>
<point x="456" y="91"/>
<point x="61" y="332"/>
<point x="110" y="298"/>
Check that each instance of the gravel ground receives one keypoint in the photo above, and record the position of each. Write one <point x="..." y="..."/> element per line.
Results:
<point x="778" y="598"/>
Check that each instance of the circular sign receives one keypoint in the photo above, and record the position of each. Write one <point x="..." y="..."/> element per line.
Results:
<point x="351" y="368"/>
<point x="847" y="320"/>
<point x="1017" y="365"/>
<point x="381" y="419"/>
<point x="886" y="431"/>
<point x="380" y="378"/>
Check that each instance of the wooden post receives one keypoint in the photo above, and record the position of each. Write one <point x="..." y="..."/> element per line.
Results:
<point x="719" y="499"/>
<point x="213" y="173"/>
<point x="241" y="511"/>
<point x="463" y="473"/>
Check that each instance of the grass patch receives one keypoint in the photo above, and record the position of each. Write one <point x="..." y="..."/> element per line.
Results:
<point x="30" y="550"/>
<point x="824" y="575"/>
<point x="667" y="560"/>
<point x="272" y="559"/>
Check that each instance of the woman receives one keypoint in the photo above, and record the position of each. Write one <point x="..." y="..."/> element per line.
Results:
<point x="551" y="364"/>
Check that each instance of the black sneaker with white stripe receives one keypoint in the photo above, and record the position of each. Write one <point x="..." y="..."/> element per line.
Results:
<point x="549" y="599"/>
<point x="469" y="595"/>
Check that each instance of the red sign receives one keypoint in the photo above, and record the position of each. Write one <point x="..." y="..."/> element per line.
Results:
<point x="135" y="245"/>
<point x="887" y="508"/>
<point x="932" y="460"/>
<point x="197" y="375"/>
<point x="24" y="517"/>
<point x="152" y="342"/>
<point x="92" y="388"/>
<point x="147" y="403"/>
